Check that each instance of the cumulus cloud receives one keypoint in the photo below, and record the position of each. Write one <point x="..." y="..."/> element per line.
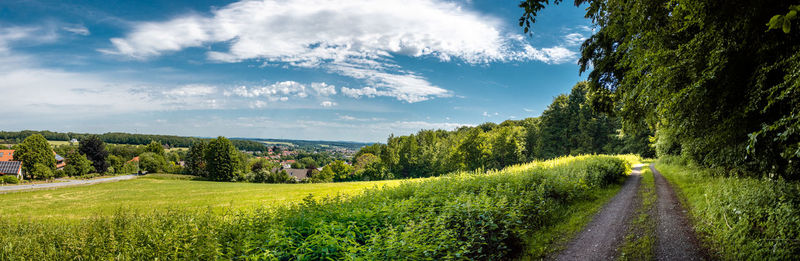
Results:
<point x="275" y="91"/>
<point x="323" y="89"/>
<point x="357" y="39"/>
<point x="327" y="104"/>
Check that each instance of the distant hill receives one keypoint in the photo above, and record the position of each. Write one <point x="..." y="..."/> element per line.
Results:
<point x="310" y="143"/>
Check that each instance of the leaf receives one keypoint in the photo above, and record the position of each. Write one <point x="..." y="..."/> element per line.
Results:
<point x="787" y="26"/>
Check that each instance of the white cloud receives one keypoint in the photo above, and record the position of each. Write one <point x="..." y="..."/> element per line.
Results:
<point x="357" y="39"/>
<point x="527" y="110"/>
<point x="327" y="104"/>
<point x="191" y="90"/>
<point x="275" y="91"/>
<point x="323" y="89"/>
<point x="77" y="29"/>
<point x="574" y="39"/>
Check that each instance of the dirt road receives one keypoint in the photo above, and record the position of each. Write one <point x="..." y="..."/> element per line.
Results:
<point x="675" y="239"/>
<point x="601" y="238"/>
<point x="65" y="183"/>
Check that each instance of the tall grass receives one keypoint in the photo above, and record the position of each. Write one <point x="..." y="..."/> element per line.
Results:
<point x="739" y="218"/>
<point x="457" y="216"/>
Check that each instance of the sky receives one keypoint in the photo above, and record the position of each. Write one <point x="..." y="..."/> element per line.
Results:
<point x="305" y="69"/>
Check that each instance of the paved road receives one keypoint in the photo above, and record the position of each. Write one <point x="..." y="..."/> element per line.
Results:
<point x="66" y="183"/>
<point x="603" y="235"/>
<point x="675" y="239"/>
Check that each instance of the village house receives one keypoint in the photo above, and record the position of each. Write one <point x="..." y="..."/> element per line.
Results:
<point x="297" y="174"/>
<point x="11" y="168"/>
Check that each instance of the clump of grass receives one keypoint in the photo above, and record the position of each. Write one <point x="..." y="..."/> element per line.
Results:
<point x="463" y="215"/>
<point x="739" y="218"/>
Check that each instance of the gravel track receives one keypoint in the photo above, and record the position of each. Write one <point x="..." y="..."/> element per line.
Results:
<point x="675" y="239"/>
<point x="602" y="237"/>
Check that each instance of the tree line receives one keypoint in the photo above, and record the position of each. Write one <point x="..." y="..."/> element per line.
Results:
<point x="569" y="126"/>
<point x="127" y="138"/>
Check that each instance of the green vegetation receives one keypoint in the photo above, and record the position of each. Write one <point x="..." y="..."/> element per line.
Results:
<point x="738" y="218"/>
<point x="459" y="216"/>
<point x="717" y="81"/>
<point x="8" y="179"/>
<point x="569" y="126"/>
<point x="159" y="192"/>
<point x="58" y="138"/>
<point x="32" y="151"/>
<point x="639" y="243"/>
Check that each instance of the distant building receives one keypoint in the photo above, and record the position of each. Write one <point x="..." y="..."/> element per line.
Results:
<point x="297" y="174"/>
<point x="60" y="162"/>
<point x="11" y="168"/>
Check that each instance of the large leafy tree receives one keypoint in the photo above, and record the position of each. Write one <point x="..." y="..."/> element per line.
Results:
<point x="95" y="150"/>
<point x="221" y="159"/>
<point x="195" y="159"/>
<point x="34" y="150"/>
<point x="77" y="164"/>
<point x="708" y="75"/>
<point x="155" y="147"/>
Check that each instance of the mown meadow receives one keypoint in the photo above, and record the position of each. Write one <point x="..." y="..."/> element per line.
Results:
<point x="465" y="215"/>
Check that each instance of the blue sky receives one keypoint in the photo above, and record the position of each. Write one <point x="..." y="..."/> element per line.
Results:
<point x="306" y="69"/>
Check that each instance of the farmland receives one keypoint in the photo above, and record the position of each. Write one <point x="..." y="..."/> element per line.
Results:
<point x="164" y="191"/>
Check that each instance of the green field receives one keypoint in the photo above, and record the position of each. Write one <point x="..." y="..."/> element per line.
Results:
<point x="162" y="191"/>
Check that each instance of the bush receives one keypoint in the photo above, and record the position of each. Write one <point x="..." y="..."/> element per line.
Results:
<point x="9" y="179"/>
<point x="459" y="216"/>
<point x="42" y="171"/>
<point x="152" y="162"/>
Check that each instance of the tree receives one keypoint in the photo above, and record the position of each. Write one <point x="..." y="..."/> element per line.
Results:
<point x="195" y="159"/>
<point x="77" y="164"/>
<point x="341" y="171"/>
<point x="116" y="163"/>
<point x="155" y="147"/>
<point x="221" y="159"/>
<point x="152" y="162"/>
<point x="34" y="150"/>
<point x="369" y="167"/>
<point x="95" y="150"/>
<point x="326" y="175"/>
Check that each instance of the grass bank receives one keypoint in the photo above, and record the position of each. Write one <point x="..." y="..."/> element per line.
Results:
<point x="738" y="218"/>
<point x="458" y="216"/>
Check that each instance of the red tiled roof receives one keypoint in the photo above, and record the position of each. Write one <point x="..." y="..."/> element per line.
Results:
<point x="6" y="155"/>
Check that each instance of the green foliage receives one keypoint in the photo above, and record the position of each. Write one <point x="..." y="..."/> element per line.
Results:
<point x="116" y="163"/>
<point x="369" y="167"/>
<point x="129" y="167"/>
<point x="739" y="218"/>
<point x="222" y="160"/>
<point x="152" y="162"/>
<point x="784" y="22"/>
<point x="707" y="73"/>
<point x="485" y="216"/>
<point x="34" y="150"/>
<point x="342" y="171"/>
<point x="155" y="147"/>
<point x="569" y="126"/>
<point x="195" y="162"/>
<point x="77" y="164"/>
<point x="95" y="150"/>
<point x="9" y="179"/>
<point x="42" y="171"/>
<point x="326" y="175"/>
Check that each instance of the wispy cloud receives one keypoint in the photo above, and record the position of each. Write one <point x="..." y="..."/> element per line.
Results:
<point x="77" y="29"/>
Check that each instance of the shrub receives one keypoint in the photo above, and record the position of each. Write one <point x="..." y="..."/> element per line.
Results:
<point x="152" y="162"/>
<point x="9" y="179"/>
<point x="42" y="171"/>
